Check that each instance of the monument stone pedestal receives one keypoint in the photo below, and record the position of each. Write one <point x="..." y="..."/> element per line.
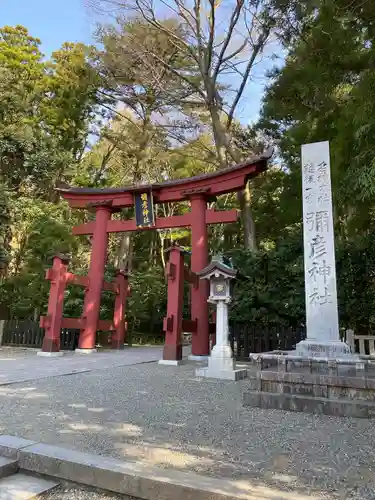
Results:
<point x="335" y="349"/>
<point x="341" y="387"/>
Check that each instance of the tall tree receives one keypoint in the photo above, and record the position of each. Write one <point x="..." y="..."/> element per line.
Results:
<point x="147" y="102"/>
<point x="224" y="42"/>
<point x="47" y="107"/>
<point x="45" y="110"/>
<point x="72" y="99"/>
<point x="324" y="93"/>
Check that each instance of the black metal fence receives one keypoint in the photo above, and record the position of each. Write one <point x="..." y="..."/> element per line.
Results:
<point x="28" y="333"/>
<point x="245" y="338"/>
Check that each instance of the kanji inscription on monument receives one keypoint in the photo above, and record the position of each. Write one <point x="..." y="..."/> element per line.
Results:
<point x="319" y="255"/>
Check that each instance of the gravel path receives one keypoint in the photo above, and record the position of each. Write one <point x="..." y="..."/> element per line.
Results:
<point x="77" y="493"/>
<point x="167" y="417"/>
<point x="22" y="365"/>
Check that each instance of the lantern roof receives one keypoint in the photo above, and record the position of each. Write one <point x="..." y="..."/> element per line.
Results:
<point x="218" y="269"/>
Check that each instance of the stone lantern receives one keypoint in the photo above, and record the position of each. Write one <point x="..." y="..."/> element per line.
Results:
<point x="220" y="362"/>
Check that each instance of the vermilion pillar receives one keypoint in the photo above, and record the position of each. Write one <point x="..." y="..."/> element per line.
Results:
<point x="118" y="336"/>
<point x="172" y="352"/>
<point x="52" y="322"/>
<point x="91" y="308"/>
<point x="199" y="260"/>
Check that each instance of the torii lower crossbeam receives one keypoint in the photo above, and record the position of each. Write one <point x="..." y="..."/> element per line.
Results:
<point x="185" y="220"/>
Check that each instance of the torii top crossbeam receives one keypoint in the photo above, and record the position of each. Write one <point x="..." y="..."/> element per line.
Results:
<point x="212" y="184"/>
<point x="198" y="190"/>
<point x="203" y="186"/>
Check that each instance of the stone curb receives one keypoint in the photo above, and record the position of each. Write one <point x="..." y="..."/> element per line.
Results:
<point x="133" y="479"/>
<point x="10" y="446"/>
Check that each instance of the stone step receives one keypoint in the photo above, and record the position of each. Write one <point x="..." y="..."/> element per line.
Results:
<point x="7" y="466"/>
<point x="24" y="487"/>
<point x="309" y="404"/>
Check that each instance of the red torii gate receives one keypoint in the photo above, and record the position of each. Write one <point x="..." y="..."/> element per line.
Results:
<point x="198" y="190"/>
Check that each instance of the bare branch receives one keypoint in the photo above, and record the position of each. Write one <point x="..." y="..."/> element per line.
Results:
<point x="232" y="24"/>
<point x="236" y="52"/>
<point x="170" y="68"/>
<point x="185" y="13"/>
<point x="197" y="10"/>
<point x="261" y="41"/>
<point x="211" y="37"/>
<point x="122" y="116"/>
<point x="104" y="163"/>
<point x="151" y="19"/>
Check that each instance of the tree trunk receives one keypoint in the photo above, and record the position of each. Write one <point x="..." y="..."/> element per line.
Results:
<point x="222" y="142"/>
<point x="162" y="246"/>
<point x="36" y="314"/>
<point x="244" y="198"/>
<point x="220" y="148"/>
<point x="223" y="149"/>
<point x="125" y="254"/>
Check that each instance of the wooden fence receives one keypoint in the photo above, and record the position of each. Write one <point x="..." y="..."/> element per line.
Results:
<point x="361" y="344"/>
<point x="27" y="333"/>
<point x="245" y="338"/>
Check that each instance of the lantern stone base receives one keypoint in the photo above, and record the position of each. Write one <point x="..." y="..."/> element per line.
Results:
<point x="210" y="372"/>
<point x="171" y="362"/>
<point x="221" y="365"/>
<point x="193" y="357"/>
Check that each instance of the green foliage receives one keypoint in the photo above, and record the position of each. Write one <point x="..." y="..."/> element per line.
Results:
<point x="71" y="85"/>
<point x="355" y="276"/>
<point x="270" y="288"/>
<point x="325" y="92"/>
<point x="39" y="230"/>
<point x="45" y="111"/>
<point x="147" y="303"/>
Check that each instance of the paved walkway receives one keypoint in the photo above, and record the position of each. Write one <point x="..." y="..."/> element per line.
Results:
<point x="165" y="416"/>
<point x="21" y="365"/>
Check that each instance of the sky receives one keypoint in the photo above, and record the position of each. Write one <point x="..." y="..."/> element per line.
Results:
<point x="59" y="21"/>
<point x="53" y="21"/>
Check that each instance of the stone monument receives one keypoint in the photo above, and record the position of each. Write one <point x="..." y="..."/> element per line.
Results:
<point x="321" y="375"/>
<point x="319" y="256"/>
<point x="221" y="364"/>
